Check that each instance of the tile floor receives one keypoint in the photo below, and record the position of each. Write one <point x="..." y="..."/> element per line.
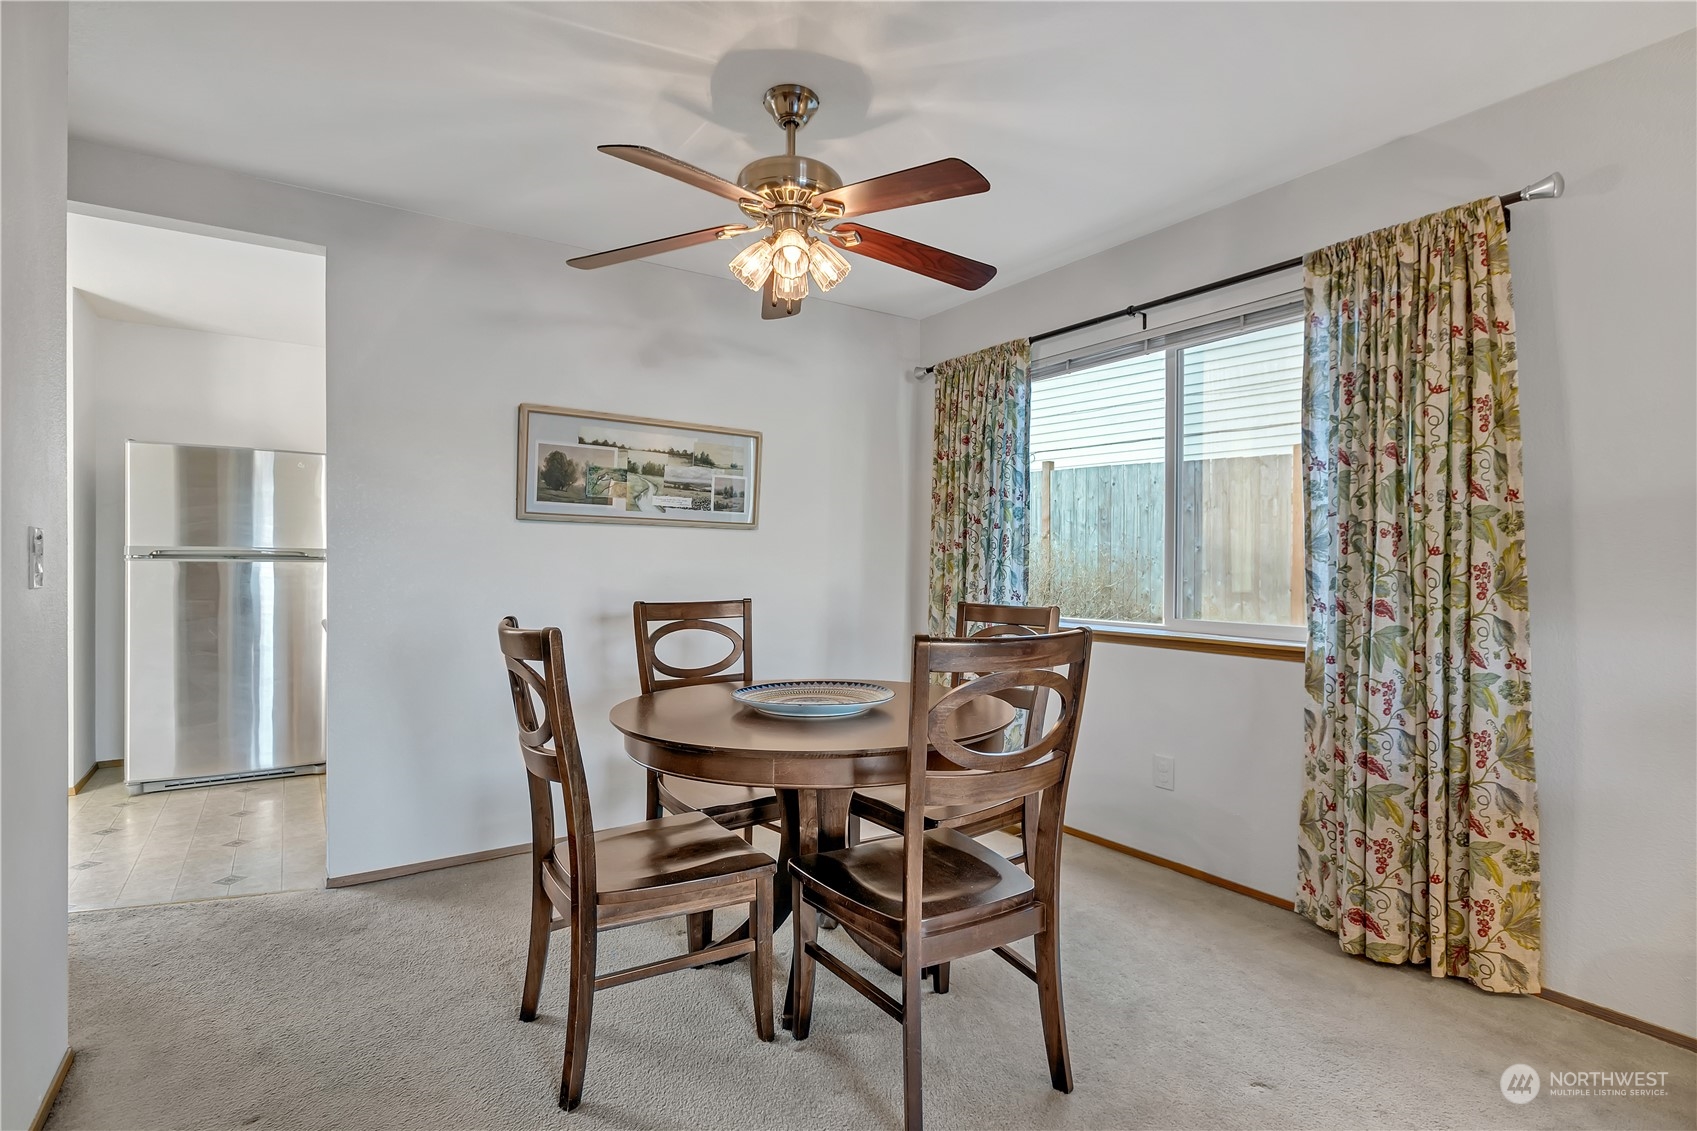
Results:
<point x="243" y="838"/>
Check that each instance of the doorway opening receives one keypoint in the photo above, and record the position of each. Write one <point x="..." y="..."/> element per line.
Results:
<point x="198" y="631"/>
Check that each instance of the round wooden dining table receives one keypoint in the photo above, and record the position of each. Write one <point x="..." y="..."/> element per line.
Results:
<point x="815" y="765"/>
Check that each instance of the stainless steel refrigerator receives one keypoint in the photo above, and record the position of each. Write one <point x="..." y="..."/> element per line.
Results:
<point x="224" y="614"/>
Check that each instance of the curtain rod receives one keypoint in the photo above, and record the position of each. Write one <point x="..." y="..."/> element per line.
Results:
<point x="1549" y="188"/>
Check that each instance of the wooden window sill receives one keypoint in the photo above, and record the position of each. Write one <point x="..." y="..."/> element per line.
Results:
<point x="1188" y="642"/>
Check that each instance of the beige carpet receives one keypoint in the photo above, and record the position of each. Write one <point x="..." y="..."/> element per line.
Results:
<point x="394" y="1005"/>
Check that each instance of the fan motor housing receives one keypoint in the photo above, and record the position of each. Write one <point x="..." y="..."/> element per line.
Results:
<point x="788" y="179"/>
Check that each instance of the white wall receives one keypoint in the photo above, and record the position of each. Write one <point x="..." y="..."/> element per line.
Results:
<point x="1604" y="294"/>
<point x="34" y="699"/>
<point x="176" y="386"/>
<point x="436" y="332"/>
<point x="80" y="369"/>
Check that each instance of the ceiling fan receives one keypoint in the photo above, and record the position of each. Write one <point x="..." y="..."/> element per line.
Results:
<point x="804" y="203"/>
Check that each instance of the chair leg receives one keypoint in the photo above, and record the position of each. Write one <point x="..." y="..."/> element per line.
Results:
<point x="536" y="958"/>
<point x="913" y="1089"/>
<point x="940" y="978"/>
<point x="654" y="809"/>
<point x="760" y="970"/>
<point x="580" y="1006"/>
<point x="806" y="919"/>
<point x="1054" y="1016"/>
<point x="1028" y="832"/>
<point x="700" y="930"/>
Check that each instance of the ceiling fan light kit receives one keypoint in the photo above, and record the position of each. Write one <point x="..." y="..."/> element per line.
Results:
<point x="801" y="201"/>
<point x="752" y="264"/>
<point x="789" y="288"/>
<point x="828" y="266"/>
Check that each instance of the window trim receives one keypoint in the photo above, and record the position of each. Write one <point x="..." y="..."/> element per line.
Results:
<point x="1254" y="639"/>
<point x="1151" y="636"/>
<point x="1287" y="306"/>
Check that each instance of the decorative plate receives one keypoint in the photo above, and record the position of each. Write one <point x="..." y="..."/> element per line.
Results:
<point x="813" y="698"/>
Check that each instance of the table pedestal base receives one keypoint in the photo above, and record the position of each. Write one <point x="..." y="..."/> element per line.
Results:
<point x="814" y="820"/>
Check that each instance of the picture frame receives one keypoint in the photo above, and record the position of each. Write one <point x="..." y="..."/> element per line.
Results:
<point x="575" y="465"/>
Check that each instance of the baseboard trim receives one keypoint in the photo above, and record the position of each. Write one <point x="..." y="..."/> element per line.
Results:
<point x="52" y="1095"/>
<point x="1181" y="869"/>
<point x="354" y="879"/>
<point x="82" y="783"/>
<point x="1624" y="1020"/>
<point x="1578" y="1005"/>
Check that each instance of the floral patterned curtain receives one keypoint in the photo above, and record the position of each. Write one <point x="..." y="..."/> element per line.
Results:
<point x="1419" y="826"/>
<point x="982" y="449"/>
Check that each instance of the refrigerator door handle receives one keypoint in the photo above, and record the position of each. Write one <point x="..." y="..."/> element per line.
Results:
<point x="234" y="555"/>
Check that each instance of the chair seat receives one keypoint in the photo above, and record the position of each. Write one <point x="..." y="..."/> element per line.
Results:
<point x="883" y="805"/>
<point x="671" y="850"/>
<point x="961" y="876"/>
<point x="722" y="800"/>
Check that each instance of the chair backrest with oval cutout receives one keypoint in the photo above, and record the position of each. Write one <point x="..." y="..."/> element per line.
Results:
<point x="656" y="620"/>
<point x="542" y="705"/>
<point x="977" y="621"/>
<point x="941" y="771"/>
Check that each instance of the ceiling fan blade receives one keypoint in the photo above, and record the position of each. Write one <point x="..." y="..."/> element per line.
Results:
<point x="773" y="307"/>
<point x="655" y="247"/>
<point x="940" y="180"/>
<point x="679" y="170"/>
<point x="923" y="259"/>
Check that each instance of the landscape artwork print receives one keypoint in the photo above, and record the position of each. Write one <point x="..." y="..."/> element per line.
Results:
<point x="577" y="466"/>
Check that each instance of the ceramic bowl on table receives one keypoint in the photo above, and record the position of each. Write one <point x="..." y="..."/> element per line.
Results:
<point x="813" y="698"/>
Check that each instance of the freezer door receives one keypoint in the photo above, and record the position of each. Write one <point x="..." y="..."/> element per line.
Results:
<point x="181" y="496"/>
<point x="225" y="667"/>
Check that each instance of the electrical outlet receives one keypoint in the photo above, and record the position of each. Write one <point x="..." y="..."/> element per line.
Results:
<point x="1165" y="772"/>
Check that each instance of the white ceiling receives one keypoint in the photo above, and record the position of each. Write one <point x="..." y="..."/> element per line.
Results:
<point x="1094" y="122"/>
<point x="140" y="273"/>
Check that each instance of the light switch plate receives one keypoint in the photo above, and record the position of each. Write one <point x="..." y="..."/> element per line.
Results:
<point x="37" y="551"/>
<point x="1165" y="772"/>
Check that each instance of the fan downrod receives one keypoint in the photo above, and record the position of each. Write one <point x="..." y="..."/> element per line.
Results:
<point x="788" y="179"/>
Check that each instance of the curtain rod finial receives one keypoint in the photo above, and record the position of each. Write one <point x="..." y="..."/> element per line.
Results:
<point x="1549" y="188"/>
<point x="919" y="372"/>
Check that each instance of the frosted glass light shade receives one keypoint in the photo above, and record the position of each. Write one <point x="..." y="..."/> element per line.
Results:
<point x="829" y="267"/>
<point x="753" y="263"/>
<point x="786" y="289"/>
<point x="789" y="254"/>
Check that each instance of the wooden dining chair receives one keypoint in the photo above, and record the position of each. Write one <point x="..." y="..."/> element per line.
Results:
<point x="882" y="805"/>
<point x="594" y="880"/>
<point x="734" y="806"/>
<point x="931" y="896"/>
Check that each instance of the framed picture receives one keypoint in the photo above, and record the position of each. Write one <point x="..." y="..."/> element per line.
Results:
<point x="577" y="466"/>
